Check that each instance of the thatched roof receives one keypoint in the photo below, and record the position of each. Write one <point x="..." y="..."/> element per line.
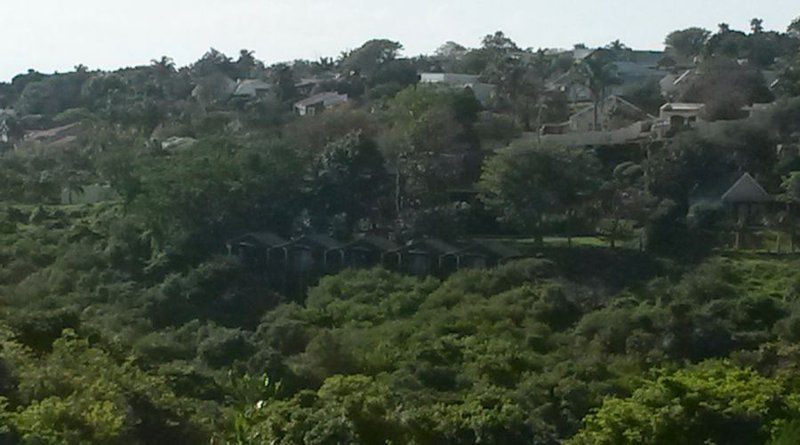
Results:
<point x="746" y="190"/>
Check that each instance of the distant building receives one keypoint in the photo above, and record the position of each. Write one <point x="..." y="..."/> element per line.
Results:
<point x="757" y="109"/>
<point x="254" y="249"/>
<point x="319" y="102"/>
<point x="675" y="84"/>
<point x="252" y="88"/>
<point x="614" y="113"/>
<point x="368" y="251"/>
<point x="676" y="116"/>
<point x="631" y="67"/>
<point x="748" y="199"/>
<point x="312" y="255"/>
<point x="425" y="257"/>
<point x="483" y="92"/>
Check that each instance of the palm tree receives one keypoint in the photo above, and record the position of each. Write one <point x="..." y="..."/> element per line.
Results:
<point x="597" y="72"/>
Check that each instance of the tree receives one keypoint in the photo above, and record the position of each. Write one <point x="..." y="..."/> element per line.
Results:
<point x="525" y="185"/>
<point x="617" y="45"/>
<point x="499" y="43"/>
<point x="794" y="28"/>
<point x="713" y="402"/>
<point x="213" y="62"/>
<point x="688" y="42"/>
<point x="727" y="43"/>
<point x="367" y="59"/>
<point x="247" y="66"/>
<point x="615" y="230"/>
<point x="164" y="66"/>
<point x="348" y="179"/>
<point x="725" y="87"/>
<point x="282" y="77"/>
<point x="757" y="25"/>
<point x="521" y="85"/>
<point x="430" y="143"/>
<point x="597" y="72"/>
<point x="450" y="50"/>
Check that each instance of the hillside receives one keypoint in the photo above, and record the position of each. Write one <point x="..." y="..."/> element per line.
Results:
<point x="468" y="247"/>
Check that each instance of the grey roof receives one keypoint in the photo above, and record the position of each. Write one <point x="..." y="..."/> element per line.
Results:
<point x="434" y="245"/>
<point x="377" y="242"/>
<point x="319" y="239"/>
<point x="328" y="98"/>
<point x="682" y="106"/>
<point x="610" y="100"/>
<point x="251" y="87"/>
<point x="266" y="239"/>
<point x="746" y="190"/>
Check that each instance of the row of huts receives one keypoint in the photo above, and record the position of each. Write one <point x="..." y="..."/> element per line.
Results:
<point x="317" y="254"/>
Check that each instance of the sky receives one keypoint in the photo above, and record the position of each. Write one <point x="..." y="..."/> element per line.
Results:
<point x="56" y="35"/>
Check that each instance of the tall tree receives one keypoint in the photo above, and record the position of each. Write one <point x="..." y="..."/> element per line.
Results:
<point x="687" y="42"/>
<point x="526" y="185"/>
<point x="598" y="73"/>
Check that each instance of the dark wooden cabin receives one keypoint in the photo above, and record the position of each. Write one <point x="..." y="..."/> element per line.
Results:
<point x="254" y="248"/>
<point x="367" y="252"/>
<point x="310" y="254"/>
<point x="748" y="200"/>
<point x="425" y="257"/>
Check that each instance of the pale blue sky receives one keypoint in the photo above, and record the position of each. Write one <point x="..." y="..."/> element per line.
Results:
<point x="53" y="35"/>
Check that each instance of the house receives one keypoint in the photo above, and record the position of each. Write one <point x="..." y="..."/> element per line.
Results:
<point x="252" y="89"/>
<point x="483" y="92"/>
<point x="319" y="102"/>
<point x="675" y="116"/>
<point x="748" y="200"/>
<point x="676" y="84"/>
<point x="482" y="254"/>
<point x="757" y="109"/>
<point x="213" y="88"/>
<point x="571" y="87"/>
<point x="631" y="67"/>
<point x="307" y="86"/>
<point x="255" y="248"/>
<point x="425" y="257"/>
<point x="614" y="113"/>
<point x="368" y="251"/>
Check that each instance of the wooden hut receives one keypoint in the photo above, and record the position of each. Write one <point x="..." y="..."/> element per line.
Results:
<point x="748" y="200"/>
<point x="368" y="251"/>
<point x="311" y="254"/>
<point x="425" y="257"/>
<point x="254" y="248"/>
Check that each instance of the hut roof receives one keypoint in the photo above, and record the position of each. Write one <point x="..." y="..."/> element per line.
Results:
<point x="376" y="242"/>
<point x="433" y="245"/>
<point x="265" y="239"/>
<point x="746" y="190"/>
<point x="320" y="240"/>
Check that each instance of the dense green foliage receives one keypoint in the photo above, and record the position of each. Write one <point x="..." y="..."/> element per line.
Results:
<point x="125" y="320"/>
